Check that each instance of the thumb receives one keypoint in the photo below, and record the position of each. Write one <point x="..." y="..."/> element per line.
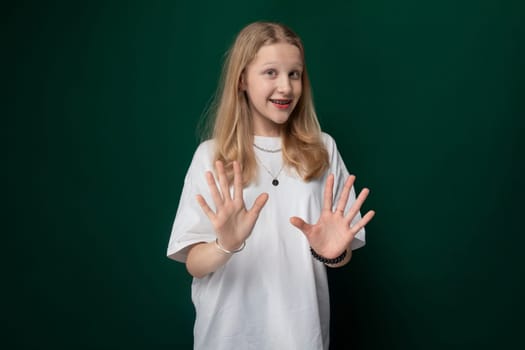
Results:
<point x="301" y="225"/>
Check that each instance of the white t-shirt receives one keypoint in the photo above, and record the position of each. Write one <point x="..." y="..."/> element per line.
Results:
<point x="273" y="294"/>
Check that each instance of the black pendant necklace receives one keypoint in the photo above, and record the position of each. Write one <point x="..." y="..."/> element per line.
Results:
<point x="275" y="182"/>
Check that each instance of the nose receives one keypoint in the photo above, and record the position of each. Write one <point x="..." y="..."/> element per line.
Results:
<point x="284" y="85"/>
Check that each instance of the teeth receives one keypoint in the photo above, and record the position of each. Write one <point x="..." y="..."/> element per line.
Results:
<point x="281" y="102"/>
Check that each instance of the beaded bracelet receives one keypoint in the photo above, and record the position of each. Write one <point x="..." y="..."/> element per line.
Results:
<point x="229" y="252"/>
<point x="324" y="260"/>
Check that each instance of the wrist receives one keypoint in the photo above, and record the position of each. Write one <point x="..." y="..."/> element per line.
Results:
<point x="328" y="261"/>
<point x="229" y="251"/>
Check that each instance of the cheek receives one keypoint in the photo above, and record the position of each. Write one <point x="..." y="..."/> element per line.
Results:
<point x="298" y="89"/>
<point x="260" y="90"/>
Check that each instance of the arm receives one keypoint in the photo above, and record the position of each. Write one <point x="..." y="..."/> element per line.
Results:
<point x="205" y="258"/>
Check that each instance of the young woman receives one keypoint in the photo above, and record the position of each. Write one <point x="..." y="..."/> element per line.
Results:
<point x="267" y="204"/>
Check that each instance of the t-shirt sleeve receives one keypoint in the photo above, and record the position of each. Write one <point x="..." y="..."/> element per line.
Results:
<point x="191" y="225"/>
<point x="338" y="168"/>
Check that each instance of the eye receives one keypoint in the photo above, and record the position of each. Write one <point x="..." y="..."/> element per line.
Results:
<point x="271" y="73"/>
<point x="296" y="75"/>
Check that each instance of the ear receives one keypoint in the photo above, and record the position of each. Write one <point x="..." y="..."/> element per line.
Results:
<point x="242" y="82"/>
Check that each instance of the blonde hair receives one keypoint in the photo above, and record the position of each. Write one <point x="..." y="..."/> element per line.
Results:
<point x="232" y="131"/>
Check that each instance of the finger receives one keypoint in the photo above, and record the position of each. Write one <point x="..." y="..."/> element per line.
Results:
<point x="363" y="222"/>
<point x="205" y="207"/>
<point x="237" y="181"/>
<point x="328" y="193"/>
<point x="259" y="203"/>
<point x="212" y="185"/>
<point x="223" y="180"/>
<point x="343" y="199"/>
<point x="301" y="225"/>
<point x="354" y="209"/>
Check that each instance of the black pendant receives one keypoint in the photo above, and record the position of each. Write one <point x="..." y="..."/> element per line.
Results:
<point x="275" y="182"/>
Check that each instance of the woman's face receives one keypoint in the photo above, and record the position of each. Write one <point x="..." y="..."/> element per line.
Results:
<point x="273" y="85"/>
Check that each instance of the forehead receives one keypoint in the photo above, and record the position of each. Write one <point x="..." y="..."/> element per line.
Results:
<point x="280" y="53"/>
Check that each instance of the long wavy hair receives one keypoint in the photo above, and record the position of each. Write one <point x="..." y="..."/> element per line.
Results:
<point x="231" y="119"/>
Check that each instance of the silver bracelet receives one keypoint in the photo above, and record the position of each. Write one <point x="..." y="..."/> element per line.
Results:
<point x="229" y="252"/>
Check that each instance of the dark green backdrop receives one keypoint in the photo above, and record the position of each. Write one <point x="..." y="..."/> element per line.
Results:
<point x="102" y="99"/>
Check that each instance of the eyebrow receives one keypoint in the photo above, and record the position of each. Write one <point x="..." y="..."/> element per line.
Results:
<point x="272" y="63"/>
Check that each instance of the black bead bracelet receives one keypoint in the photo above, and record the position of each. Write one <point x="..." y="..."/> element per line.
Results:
<point x="326" y="260"/>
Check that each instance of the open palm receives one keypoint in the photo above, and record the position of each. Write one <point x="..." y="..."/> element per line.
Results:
<point x="333" y="232"/>
<point x="232" y="222"/>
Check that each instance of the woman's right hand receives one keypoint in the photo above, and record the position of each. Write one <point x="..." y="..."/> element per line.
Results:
<point x="232" y="222"/>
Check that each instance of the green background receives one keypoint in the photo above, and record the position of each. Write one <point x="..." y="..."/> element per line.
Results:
<point x="101" y="102"/>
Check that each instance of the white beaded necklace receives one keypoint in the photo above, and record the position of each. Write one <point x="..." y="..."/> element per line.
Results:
<point x="266" y="149"/>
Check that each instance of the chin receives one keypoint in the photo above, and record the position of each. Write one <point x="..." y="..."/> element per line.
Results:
<point x="281" y="118"/>
<point x="281" y="121"/>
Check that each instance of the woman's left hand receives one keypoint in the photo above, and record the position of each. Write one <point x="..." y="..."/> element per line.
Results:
<point x="333" y="233"/>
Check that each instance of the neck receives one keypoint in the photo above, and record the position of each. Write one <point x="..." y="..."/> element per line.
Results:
<point x="273" y="130"/>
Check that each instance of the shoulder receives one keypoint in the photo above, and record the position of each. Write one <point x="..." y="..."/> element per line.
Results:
<point x="327" y="138"/>
<point x="203" y="156"/>
<point x="205" y="148"/>
<point x="329" y="143"/>
<point x="334" y="155"/>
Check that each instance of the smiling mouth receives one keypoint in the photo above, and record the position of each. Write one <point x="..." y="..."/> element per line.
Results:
<point x="281" y="103"/>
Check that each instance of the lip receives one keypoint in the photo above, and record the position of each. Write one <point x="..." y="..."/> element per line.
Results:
<point x="281" y="103"/>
